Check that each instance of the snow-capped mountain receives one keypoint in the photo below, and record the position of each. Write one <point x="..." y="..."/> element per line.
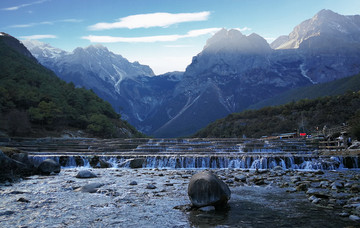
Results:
<point x="93" y="67"/>
<point x="322" y="31"/>
<point x="329" y="44"/>
<point x="232" y="72"/>
<point x="95" y="59"/>
<point x="234" y="41"/>
<point x="42" y="51"/>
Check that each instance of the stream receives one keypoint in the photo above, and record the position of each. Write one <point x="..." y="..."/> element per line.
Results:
<point x="53" y="201"/>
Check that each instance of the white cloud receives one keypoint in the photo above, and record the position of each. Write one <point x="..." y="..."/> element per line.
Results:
<point x="150" y="39"/>
<point x="24" y="5"/>
<point x="151" y="20"/>
<point x="45" y="23"/>
<point x="31" y="24"/>
<point x="178" y="46"/>
<point x="38" y="37"/>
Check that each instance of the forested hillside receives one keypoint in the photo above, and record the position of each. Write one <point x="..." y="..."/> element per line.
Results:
<point x="305" y="115"/>
<point x="35" y="102"/>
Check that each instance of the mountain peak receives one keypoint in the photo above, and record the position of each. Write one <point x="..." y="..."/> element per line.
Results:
<point x="325" y="23"/>
<point x="325" y="13"/>
<point x="234" y="41"/>
<point x="97" y="47"/>
<point x="43" y="50"/>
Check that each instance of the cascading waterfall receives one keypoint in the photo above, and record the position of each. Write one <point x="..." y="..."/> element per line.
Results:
<point x="188" y="153"/>
<point x="212" y="162"/>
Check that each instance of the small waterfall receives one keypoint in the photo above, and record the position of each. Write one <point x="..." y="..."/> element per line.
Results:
<point x="213" y="162"/>
<point x="189" y="153"/>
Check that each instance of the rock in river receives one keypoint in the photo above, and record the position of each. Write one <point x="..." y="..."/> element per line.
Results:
<point x="136" y="163"/>
<point x="206" y="189"/>
<point x="90" y="188"/>
<point x="85" y="174"/>
<point x="14" y="162"/>
<point x="49" y="166"/>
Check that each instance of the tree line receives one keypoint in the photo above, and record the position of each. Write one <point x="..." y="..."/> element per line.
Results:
<point x="306" y="115"/>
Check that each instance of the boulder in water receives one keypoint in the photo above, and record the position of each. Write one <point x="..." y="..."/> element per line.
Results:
<point x="104" y="164"/>
<point x="90" y="188"/>
<point x="14" y="163"/>
<point x="49" y="166"/>
<point x="85" y="174"/>
<point x="206" y="189"/>
<point x="136" y="163"/>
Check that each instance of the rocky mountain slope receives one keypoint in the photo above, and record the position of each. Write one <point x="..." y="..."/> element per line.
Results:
<point x="232" y="72"/>
<point x="332" y="88"/>
<point x="93" y="67"/>
<point x="34" y="102"/>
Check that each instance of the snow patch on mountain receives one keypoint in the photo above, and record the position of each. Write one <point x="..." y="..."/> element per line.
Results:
<point x="43" y="51"/>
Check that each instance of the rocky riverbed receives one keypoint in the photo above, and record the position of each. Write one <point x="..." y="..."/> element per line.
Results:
<point x="158" y="198"/>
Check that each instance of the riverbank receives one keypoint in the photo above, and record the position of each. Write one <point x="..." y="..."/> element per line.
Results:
<point x="271" y="198"/>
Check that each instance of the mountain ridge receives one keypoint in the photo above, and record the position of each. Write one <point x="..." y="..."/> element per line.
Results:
<point x="232" y="72"/>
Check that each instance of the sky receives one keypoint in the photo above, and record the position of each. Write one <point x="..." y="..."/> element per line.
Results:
<point x="164" y="34"/>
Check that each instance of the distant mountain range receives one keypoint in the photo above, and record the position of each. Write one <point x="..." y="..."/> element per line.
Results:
<point x="232" y="72"/>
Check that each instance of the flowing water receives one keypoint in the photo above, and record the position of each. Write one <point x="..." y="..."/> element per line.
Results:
<point x="168" y="164"/>
<point x="50" y="201"/>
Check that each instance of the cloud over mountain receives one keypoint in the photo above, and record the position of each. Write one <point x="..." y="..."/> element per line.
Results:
<point x="150" y="39"/>
<point x="151" y="20"/>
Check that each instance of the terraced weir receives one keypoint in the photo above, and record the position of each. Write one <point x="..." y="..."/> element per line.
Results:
<point x="183" y="153"/>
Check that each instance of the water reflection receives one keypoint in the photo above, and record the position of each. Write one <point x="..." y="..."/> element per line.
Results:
<point x="268" y="207"/>
<point x="211" y="218"/>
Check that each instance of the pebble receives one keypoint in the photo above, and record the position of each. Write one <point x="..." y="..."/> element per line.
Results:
<point x="354" y="218"/>
<point x="241" y="178"/>
<point x="291" y="190"/>
<point x="229" y="181"/>
<point x="23" y="200"/>
<point x="7" y="213"/>
<point x="344" y="214"/>
<point x="295" y="179"/>
<point x="150" y="186"/>
<point x="133" y="183"/>
<point x="324" y="184"/>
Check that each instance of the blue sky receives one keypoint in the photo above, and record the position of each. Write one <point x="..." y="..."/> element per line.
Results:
<point x="164" y="34"/>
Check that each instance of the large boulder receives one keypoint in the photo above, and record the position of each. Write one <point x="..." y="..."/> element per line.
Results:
<point x="97" y="162"/>
<point x="14" y="163"/>
<point x="104" y="164"/>
<point x="206" y="189"/>
<point x="49" y="166"/>
<point x="85" y="174"/>
<point x="136" y="163"/>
